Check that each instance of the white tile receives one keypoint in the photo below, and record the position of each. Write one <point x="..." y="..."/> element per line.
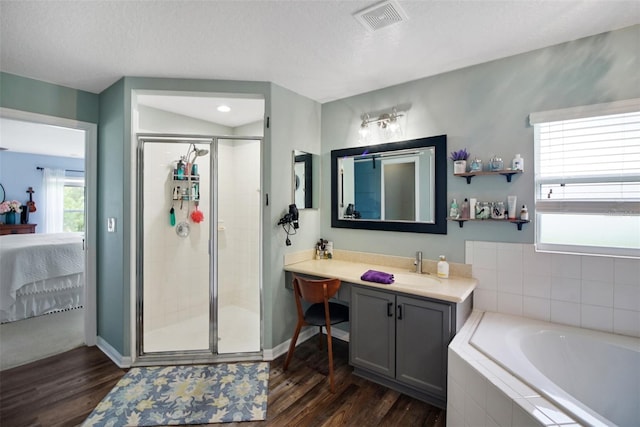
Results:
<point x="485" y="255"/>
<point x="510" y="281"/>
<point x="626" y="322"/>
<point x="518" y="386"/>
<point x="536" y="286"/>
<point x="490" y="422"/>
<point x="527" y="416"/>
<point x="487" y="278"/>
<point x="474" y="415"/>
<point x="626" y="297"/>
<point x="499" y="406"/>
<point x="510" y="257"/>
<point x="597" y="268"/>
<point x="536" y="308"/>
<point x="538" y="263"/>
<point x="597" y="293"/>
<point x="595" y="317"/>
<point x="485" y="300"/>
<point x="567" y="313"/>
<point x="565" y="289"/>
<point x="510" y="303"/>
<point x="468" y="252"/>
<point x="627" y="271"/>
<point x="455" y="367"/>
<point x="476" y="387"/>
<point x="554" y="413"/>
<point x="455" y="418"/>
<point x="455" y="395"/>
<point x="566" y="266"/>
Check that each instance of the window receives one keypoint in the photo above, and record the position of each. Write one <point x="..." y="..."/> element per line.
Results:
<point x="73" y="216"/>
<point x="587" y="163"/>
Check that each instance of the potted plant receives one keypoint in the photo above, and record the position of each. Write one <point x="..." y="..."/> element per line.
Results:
<point x="459" y="160"/>
<point x="9" y="209"/>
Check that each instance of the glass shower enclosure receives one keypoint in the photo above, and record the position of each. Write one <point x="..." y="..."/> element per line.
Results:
<point x="199" y="294"/>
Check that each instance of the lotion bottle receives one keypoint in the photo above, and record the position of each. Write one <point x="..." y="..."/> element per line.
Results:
<point x="443" y="268"/>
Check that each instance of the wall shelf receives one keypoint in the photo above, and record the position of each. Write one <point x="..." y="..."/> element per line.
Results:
<point x="508" y="173"/>
<point x="517" y="222"/>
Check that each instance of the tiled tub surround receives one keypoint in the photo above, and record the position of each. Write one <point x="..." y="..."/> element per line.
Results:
<point x="482" y="393"/>
<point x="593" y="292"/>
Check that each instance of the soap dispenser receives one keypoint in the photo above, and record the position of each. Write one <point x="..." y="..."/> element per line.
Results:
<point x="443" y="268"/>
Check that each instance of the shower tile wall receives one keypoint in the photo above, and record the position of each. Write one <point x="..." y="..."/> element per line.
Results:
<point x="601" y="293"/>
<point x="239" y="222"/>
<point x="176" y="268"/>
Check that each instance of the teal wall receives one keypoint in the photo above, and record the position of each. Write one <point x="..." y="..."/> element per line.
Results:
<point x="484" y="108"/>
<point x="112" y="253"/>
<point x="34" y="96"/>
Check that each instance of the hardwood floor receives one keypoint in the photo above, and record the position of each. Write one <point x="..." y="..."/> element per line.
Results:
<point x="62" y="390"/>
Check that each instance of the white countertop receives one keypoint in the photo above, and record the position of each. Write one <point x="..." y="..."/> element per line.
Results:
<point x="453" y="289"/>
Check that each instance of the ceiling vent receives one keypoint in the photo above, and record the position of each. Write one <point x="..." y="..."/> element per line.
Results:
<point x="381" y="15"/>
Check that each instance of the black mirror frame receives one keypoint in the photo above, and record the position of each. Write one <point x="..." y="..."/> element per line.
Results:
<point x="439" y="226"/>
<point x="308" y="179"/>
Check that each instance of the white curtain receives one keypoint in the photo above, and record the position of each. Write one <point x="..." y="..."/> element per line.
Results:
<point x="53" y="189"/>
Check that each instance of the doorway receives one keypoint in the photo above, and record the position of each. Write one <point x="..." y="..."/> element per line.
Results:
<point x="199" y="291"/>
<point x="87" y="133"/>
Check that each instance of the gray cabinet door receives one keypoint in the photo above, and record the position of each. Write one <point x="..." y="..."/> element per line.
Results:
<point x="423" y="332"/>
<point x="372" y="340"/>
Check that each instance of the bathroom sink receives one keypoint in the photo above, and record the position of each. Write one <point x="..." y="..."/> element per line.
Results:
<point x="415" y="280"/>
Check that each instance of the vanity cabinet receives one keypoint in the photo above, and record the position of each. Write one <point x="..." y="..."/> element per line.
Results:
<point x="401" y="341"/>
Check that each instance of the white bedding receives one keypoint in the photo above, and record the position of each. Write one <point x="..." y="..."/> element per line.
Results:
<point x="30" y="258"/>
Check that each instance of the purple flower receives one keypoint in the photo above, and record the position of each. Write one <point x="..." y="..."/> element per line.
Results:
<point x="459" y="155"/>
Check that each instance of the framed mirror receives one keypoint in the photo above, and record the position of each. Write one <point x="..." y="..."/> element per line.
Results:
<point x="305" y="180"/>
<point x="2" y="195"/>
<point x="399" y="186"/>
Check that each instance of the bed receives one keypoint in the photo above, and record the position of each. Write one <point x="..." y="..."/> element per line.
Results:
<point x="40" y="274"/>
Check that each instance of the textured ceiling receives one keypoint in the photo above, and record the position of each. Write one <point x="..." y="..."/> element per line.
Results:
<point x="315" y="48"/>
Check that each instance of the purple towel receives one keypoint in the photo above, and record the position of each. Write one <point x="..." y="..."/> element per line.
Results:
<point x="378" y="277"/>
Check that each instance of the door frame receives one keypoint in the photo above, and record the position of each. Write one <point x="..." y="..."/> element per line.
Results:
<point x="91" y="205"/>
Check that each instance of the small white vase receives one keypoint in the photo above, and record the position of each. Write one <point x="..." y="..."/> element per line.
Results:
<point x="459" y="166"/>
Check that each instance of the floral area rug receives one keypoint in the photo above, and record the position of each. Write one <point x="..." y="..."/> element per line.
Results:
<point x="182" y="395"/>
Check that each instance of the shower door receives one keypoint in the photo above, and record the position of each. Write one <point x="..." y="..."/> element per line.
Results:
<point x="199" y="292"/>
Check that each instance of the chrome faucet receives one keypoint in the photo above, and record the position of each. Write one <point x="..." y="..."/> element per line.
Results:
<point x="418" y="262"/>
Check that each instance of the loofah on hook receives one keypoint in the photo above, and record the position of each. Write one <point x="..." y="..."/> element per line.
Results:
<point x="197" y="216"/>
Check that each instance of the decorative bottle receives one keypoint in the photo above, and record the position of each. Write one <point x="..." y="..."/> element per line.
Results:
<point x="524" y="213"/>
<point x="443" y="268"/>
<point x="465" y="209"/>
<point x="518" y="163"/>
<point x="454" y="213"/>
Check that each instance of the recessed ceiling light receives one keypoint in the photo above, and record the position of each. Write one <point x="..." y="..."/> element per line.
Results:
<point x="224" y="108"/>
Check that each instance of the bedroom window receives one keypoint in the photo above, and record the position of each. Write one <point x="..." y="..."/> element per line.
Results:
<point x="73" y="216"/>
<point x="587" y="179"/>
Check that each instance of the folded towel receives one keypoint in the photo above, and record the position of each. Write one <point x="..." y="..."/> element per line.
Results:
<point x="378" y="277"/>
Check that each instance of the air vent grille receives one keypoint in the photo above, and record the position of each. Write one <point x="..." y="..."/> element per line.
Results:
<point x="381" y="15"/>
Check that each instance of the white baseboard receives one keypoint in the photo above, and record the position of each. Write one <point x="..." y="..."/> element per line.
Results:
<point x="306" y="334"/>
<point x="113" y="354"/>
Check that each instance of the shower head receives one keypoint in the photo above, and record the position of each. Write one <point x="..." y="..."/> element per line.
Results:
<point x="201" y="152"/>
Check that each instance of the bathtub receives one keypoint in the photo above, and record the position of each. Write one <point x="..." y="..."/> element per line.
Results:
<point x="593" y="377"/>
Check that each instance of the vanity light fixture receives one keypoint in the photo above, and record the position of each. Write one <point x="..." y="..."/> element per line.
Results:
<point x="224" y="108"/>
<point x="388" y="124"/>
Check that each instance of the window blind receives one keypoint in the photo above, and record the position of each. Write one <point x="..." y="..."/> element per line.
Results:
<point x="587" y="162"/>
<point x="596" y="158"/>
